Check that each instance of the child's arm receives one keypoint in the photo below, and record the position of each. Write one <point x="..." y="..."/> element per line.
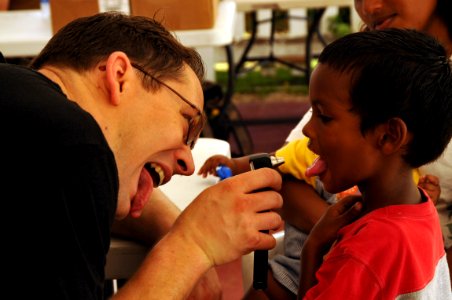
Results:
<point x="237" y="165"/>
<point x="322" y="236"/>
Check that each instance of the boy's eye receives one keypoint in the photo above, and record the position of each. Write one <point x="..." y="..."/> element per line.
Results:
<point x="324" y="119"/>
<point x="317" y="112"/>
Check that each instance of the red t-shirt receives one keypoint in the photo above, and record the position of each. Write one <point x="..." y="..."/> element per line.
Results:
<point x="393" y="251"/>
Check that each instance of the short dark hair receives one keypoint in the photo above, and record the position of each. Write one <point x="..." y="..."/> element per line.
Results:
<point x="398" y="73"/>
<point x="86" y="41"/>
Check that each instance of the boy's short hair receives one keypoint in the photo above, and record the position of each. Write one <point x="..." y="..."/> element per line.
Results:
<point x="86" y="41"/>
<point x="399" y="73"/>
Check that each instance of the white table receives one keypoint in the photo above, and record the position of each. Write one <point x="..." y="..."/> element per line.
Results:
<point x="253" y="5"/>
<point x="183" y="189"/>
<point x="25" y="33"/>
<point x="124" y="257"/>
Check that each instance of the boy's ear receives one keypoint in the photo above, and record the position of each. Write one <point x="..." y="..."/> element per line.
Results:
<point x="393" y="136"/>
<point x="116" y="74"/>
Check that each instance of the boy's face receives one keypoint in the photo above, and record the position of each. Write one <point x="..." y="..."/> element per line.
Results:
<point x="347" y="157"/>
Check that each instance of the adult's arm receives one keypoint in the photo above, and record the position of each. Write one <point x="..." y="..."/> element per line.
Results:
<point x="156" y="220"/>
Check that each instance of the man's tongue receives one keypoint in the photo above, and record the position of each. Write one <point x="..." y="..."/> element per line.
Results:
<point x="318" y="167"/>
<point x="145" y="186"/>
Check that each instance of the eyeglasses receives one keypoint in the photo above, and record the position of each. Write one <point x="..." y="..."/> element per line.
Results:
<point x="195" y="124"/>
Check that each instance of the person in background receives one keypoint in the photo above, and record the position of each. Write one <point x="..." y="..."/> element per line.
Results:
<point x="381" y="103"/>
<point x="110" y="110"/>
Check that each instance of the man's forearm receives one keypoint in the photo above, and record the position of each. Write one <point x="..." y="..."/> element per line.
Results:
<point x="170" y="271"/>
<point x="157" y="218"/>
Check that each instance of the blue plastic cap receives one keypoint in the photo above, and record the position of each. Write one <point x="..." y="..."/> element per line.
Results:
<point x="223" y="172"/>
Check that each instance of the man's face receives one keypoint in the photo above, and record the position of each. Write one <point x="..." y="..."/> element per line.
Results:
<point x="153" y="146"/>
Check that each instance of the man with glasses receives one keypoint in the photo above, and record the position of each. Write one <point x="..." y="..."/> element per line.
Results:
<point x="109" y="110"/>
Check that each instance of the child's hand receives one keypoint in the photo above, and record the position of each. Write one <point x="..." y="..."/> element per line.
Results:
<point x="211" y="164"/>
<point x="430" y="183"/>
<point x="342" y="213"/>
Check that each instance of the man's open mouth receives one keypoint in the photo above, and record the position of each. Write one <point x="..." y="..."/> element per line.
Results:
<point x="156" y="172"/>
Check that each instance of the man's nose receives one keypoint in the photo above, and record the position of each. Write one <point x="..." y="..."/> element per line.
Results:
<point x="184" y="162"/>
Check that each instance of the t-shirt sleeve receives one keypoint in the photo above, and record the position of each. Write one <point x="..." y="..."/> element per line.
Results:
<point x="297" y="158"/>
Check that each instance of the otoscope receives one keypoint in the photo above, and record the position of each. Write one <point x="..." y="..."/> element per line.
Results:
<point x="257" y="161"/>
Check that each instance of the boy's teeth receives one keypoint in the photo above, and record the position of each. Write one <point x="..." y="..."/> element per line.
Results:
<point x="159" y="171"/>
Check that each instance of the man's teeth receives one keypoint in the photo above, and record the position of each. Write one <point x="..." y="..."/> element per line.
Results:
<point x="159" y="171"/>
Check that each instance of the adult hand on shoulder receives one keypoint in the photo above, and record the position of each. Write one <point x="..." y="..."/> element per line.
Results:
<point x="430" y="183"/>
<point x="225" y="220"/>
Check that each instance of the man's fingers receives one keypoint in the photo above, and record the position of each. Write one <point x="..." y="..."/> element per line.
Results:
<point x="266" y="241"/>
<point x="258" y="179"/>
<point x="268" y="221"/>
<point x="264" y="200"/>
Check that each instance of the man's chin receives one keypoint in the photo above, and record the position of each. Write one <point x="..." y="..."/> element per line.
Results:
<point x="122" y="213"/>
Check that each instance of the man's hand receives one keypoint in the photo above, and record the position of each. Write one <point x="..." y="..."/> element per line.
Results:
<point x="226" y="220"/>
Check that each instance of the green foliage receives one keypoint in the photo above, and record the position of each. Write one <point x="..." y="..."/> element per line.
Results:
<point x="339" y="25"/>
<point x="267" y="80"/>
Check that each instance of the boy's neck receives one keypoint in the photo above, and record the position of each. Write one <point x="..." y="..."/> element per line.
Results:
<point x="392" y="190"/>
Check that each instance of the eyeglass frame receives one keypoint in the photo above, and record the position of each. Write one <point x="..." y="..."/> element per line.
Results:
<point x="190" y="140"/>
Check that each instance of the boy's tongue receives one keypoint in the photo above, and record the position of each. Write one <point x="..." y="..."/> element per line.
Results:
<point x="318" y="167"/>
<point x="145" y="187"/>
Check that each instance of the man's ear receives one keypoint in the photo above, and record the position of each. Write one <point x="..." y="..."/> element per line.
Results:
<point x="393" y="136"/>
<point x="117" y="68"/>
